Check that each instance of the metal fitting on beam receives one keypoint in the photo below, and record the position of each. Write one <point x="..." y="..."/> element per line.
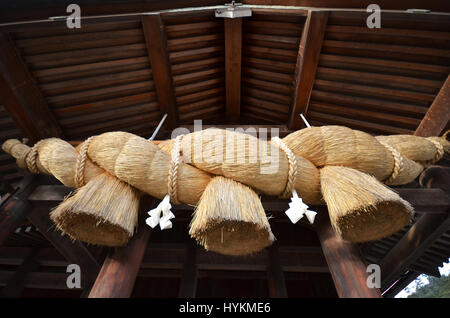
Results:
<point x="233" y="10"/>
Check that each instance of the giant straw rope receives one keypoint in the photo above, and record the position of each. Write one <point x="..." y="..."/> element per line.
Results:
<point x="174" y="166"/>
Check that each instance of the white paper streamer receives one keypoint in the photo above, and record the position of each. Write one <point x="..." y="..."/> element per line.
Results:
<point x="155" y="215"/>
<point x="297" y="209"/>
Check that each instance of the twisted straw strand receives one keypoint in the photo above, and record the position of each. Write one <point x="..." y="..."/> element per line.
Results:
<point x="292" y="161"/>
<point x="398" y="163"/>
<point x="439" y="151"/>
<point x="81" y="162"/>
<point x="31" y="158"/>
<point x="173" y="171"/>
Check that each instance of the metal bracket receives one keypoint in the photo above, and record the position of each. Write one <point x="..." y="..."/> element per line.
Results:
<point x="233" y="10"/>
<point x="418" y="11"/>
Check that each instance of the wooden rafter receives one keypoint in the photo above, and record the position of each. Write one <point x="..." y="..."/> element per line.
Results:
<point x="438" y="115"/>
<point x="155" y="38"/>
<point x="73" y="251"/>
<point x="307" y="61"/>
<point x="21" y="96"/>
<point x="421" y="235"/>
<point x="415" y="242"/>
<point x="233" y="60"/>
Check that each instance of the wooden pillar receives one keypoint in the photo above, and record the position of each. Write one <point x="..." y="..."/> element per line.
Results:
<point x="345" y="263"/>
<point x="307" y="61"/>
<point x="438" y="115"/>
<point x="275" y="275"/>
<point x="120" y="269"/>
<point x="233" y="60"/>
<point x="155" y="38"/>
<point x="188" y="285"/>
<point x="21" y="97"/>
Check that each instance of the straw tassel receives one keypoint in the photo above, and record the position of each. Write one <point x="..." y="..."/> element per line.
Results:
<point x="230" y="219"/>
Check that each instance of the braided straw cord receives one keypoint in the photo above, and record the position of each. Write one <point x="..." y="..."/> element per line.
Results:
<point x="292" y="161"/>
<point x="439" y="151"/>
<point x="81" y="161"/>
<point x="398" y="163"/>
<point x="31" y="158"/>
<point x="173" y="171"/>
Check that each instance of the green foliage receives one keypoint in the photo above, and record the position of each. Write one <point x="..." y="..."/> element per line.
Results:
<point x="437" y="288"/>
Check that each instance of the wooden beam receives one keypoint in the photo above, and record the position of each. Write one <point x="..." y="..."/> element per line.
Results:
<point x="275" y="275"/>
<point x="120" y="269"/>
<point x="155" y="38"/>
<point x="233" y="58"/>
<point x="172" y="256"/>
<point x="188" y="284"/>
<point x="438" y="115"/>
<point x="345" y="263"/>
<point x="307" y="61"/>
<point x="21" y="96"/>
<point x="430" y="201"/>
<point x="412" y="245"/>
<point x="73" y="251"/>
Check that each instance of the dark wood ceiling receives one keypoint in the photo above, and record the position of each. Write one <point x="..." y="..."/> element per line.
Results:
<point x="125" y="72"/>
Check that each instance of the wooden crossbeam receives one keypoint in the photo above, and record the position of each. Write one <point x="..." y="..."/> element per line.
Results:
<point x="21" y="96"/>
<point x="307" y="61"/>
<point x="429" y="201"/>
<point x="16" y="283"/>
<point x="172" y="256"/>
<point x="120" y="269"/>
<point x="438" y="115"/>
<point x="155" y="38"/>
<point x="345" y="263"/>
<point x="233" y="61"/>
